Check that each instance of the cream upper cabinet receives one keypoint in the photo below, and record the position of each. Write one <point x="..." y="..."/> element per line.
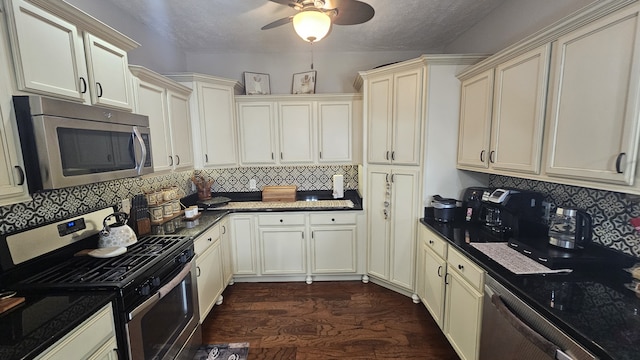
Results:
<point x="178" y="109"/>
<point x="165" y="102"/>
<point x="13" y="186"/>
<point x="55" y="56"/>
<point x="391" y="223"/>
<point x="395" y="117"/>
<point x="475" y="120"/>
<point x="335" y="131"/>
<point x="517" y="125"/>
<point x="296" y="129"/>
<point x="108" y="73"/>
<point x="257" y="138"/>
<point x="213" y="114"/>
<point x="594" y="122"/>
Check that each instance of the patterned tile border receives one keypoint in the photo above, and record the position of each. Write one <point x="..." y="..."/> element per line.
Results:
<point x="611" y="211"/>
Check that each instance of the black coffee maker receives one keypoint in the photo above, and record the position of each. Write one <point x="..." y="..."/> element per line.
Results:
<point x="508" y="212"/>
<point x="472" y="202"/>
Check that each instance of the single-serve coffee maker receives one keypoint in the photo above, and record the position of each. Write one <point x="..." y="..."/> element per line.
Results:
<point x="507" y="212"/>
<point x="570" y="228"/>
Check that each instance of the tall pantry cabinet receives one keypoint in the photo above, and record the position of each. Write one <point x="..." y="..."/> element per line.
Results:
<point x="407" y="106"/>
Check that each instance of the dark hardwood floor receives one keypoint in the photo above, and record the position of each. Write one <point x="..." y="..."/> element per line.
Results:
<point x="325" y="320"/>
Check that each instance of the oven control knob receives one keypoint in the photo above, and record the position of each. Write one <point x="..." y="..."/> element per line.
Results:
<point x="144" y="289"/>
<point x="155" y="281"/>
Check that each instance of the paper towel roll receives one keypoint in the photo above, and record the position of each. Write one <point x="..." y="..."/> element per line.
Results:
<point x="338" y="186"/>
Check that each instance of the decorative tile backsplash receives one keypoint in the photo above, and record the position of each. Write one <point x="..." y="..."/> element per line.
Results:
<point x="305" y="177"/>
<point x="610" y="211"/>
<point x="61" y="204"/>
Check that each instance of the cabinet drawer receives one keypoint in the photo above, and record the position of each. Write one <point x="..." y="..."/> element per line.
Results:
<point x="295" y="219"/>
<point x="206" y="239"/>
<point x="465" y="267"/>
<point x="435" y="242"/>
<point x="332" y="218"/>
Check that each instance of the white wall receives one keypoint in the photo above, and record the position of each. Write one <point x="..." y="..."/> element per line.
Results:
<point x="335" y="71"/>
<point x="511" y="22"/>
<point x="156" y="53"/>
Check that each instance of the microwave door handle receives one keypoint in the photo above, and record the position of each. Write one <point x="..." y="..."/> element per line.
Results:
<point x="136" y="134"/>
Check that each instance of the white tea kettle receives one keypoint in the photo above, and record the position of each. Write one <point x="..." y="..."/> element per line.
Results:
<point x="118" y="234"/>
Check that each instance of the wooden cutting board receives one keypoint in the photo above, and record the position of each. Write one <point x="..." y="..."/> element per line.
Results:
<point x="285" y="193"/>
<point x="10" y="303"/>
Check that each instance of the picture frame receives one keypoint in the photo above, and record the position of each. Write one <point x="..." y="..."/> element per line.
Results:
<point x="304" y="83"/>
<point x="256" y="83"/>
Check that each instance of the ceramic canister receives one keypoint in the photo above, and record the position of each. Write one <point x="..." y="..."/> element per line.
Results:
<point x="156" y="213"/>
<point x="167" y="209"/>
<point x="176" y="206"/>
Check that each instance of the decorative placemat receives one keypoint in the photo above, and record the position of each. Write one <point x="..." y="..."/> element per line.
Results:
<point x="513" y="260"/>
<point x="326" y="204"/>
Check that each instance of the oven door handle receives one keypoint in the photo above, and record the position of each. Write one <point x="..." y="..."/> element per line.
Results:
<point x="150" y="302"/>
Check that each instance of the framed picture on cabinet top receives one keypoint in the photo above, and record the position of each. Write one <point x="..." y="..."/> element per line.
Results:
<point x="256" y="83"/>
<point x="304" y="83"/>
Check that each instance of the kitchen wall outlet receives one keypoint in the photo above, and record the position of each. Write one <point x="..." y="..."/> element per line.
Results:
<point x="125" y="206"/>
<point x="547" y="210"/>
<point x="253" y="185"/>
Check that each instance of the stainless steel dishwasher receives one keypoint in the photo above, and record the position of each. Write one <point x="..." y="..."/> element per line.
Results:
<point x="513" y="330"/>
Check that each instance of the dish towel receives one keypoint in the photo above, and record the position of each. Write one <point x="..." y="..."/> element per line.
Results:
<point x="513" y="260"/>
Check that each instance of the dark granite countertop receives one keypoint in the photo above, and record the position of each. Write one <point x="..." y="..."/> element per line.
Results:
<point x="590" y="304"/>
<point x="30" y="328"/>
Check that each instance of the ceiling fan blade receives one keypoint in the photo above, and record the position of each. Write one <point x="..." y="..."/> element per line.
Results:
<point x="277" y="23"/>
<point x="284" y="2"/>
<point x="350" y="12"/>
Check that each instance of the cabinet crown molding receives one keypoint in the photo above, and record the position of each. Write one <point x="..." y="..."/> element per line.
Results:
<point x="193" y="77"/>
<point x="86" y="22"/>
<point x="148" y="75"/>
<point x="587" y="14"/>
<point x="299" y="97"/>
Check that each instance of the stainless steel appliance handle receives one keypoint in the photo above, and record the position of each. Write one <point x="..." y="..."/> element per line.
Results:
<point x="137" y="134"/>
<point x="150" y="302"/>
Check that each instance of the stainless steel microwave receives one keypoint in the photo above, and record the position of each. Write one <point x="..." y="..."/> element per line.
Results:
<point x="68" y="144"/>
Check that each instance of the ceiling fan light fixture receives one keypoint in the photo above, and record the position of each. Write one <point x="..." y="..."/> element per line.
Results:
<point x="311" y="25"/>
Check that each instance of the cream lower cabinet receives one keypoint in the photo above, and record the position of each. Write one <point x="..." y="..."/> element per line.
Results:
<point x="94" y="339"/>
<point x="463" y="305"/>
<point x="225" y="243"/>
<point x="333" y="243"/>
<point x="392" y="216"/>
<point x="166" y="103"/>
<point x="244" y="251"/>
<point x="430" y="273"/>
<point x="209" y="265"/>
<point x="594" y="113"/>
<point x="283" y="246"/>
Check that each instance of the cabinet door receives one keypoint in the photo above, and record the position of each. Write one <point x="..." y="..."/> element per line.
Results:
<point x="379" y="114"/>
<point x="227" y="264"/>
<point x="257" y="136"/>
<point x="243" y="247"/>
<point x="404" y="202"/>
<point x="47" y="52"/>
<point x="434" y="271"/>
<point x="283" y="251"/>
<point x="296" y="132"/>
<point x="463" y="315"/>
<point x="108" y="351"/>
<point x="333" y="249"/>
<point x="210" y="282"/>
<point x="379" y="189"/>
<point x="178" y="109"/>
<point x="475" y="121"/>
<point x="407" y="118"/>
<point x="13" y="187"/>
<point x="334" y="132"/>
<point x="594" y="108"/>
<point x="217" y="125"/>
<point x="108" y="69"/>
<point x="518" y="112"/>
<point x="151" y="101"/>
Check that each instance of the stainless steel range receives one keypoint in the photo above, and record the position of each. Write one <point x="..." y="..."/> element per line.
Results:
<point x="154" y="281"/>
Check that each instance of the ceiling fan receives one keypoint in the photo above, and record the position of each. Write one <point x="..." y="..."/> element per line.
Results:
<point x="314" y="18"/>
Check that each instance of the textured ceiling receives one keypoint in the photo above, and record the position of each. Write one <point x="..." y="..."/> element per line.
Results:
<point x="234" y="25"/>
